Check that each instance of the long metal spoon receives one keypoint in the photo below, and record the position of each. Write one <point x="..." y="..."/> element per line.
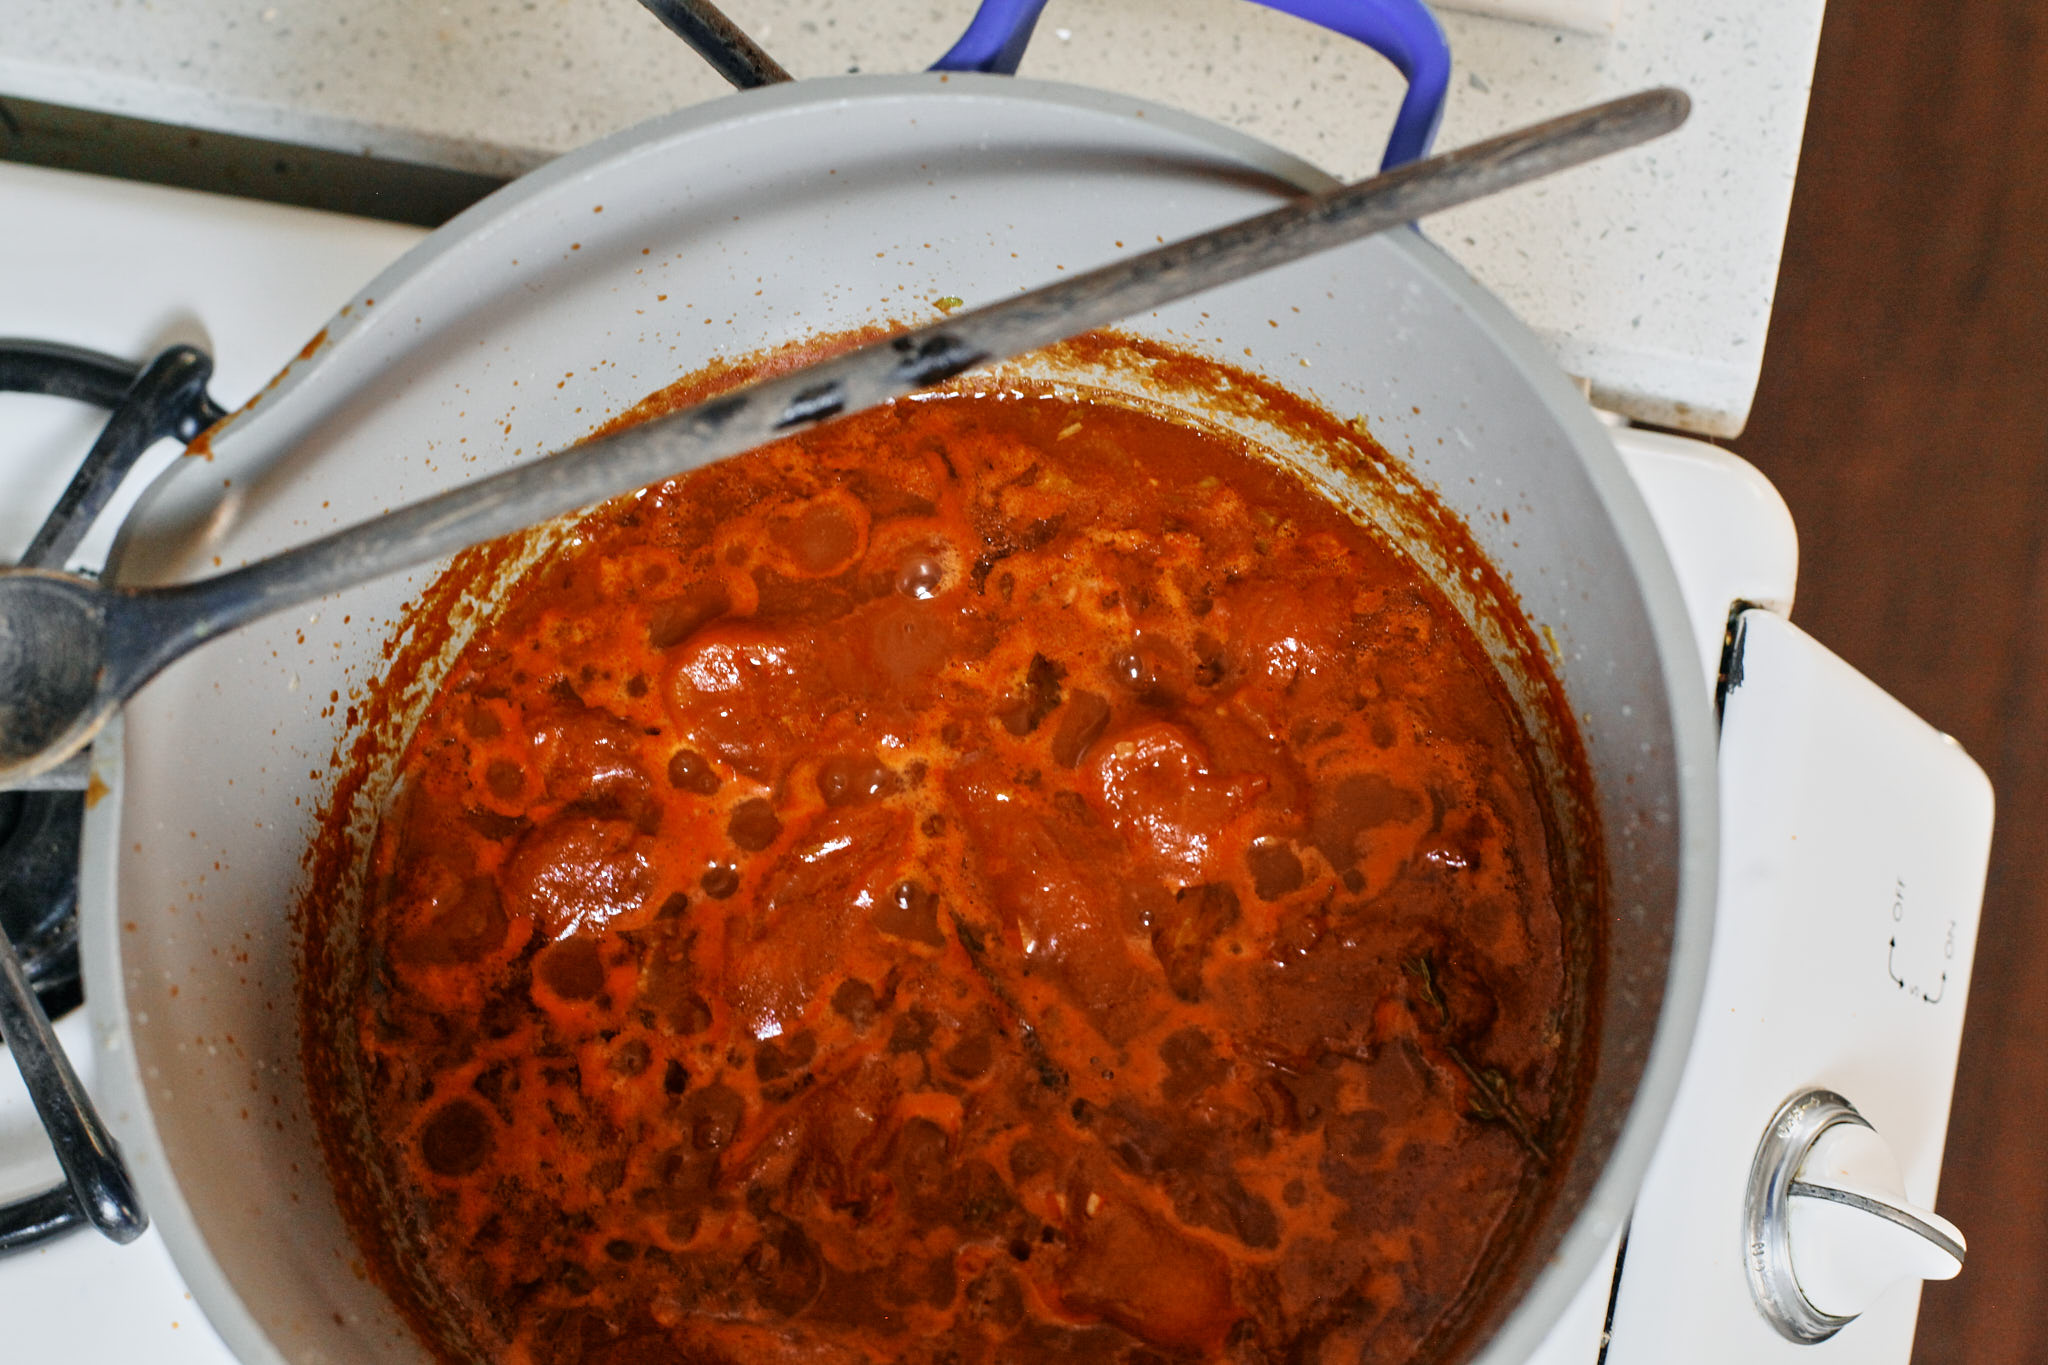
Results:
<point x="71" y="650"/>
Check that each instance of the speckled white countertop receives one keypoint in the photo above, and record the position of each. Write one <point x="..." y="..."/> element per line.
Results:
<point x="1650" y="276"/>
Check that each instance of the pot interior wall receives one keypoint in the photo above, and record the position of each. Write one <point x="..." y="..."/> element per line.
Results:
<point x="749" y="224"/>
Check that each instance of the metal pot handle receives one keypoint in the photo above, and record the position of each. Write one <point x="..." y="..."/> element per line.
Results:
<point x="1402" y="31"/>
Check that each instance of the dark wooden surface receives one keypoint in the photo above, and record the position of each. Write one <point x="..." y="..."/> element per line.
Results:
<point x="1904" y="415"/>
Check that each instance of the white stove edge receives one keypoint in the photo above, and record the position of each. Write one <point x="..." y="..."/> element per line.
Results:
<point x="1854" y="844"/>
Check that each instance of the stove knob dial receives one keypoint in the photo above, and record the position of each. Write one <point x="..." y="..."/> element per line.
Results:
<point x="1828" y="1225"/>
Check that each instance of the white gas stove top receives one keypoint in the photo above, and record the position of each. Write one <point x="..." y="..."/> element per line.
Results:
<point x="1854" y="841"/>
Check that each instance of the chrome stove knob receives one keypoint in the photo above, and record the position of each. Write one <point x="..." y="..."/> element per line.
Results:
<point x="1828" y="1226"/>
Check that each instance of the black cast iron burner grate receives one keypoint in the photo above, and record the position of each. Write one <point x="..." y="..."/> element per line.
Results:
<point x="40" y="830"/>
<point x="39" y="891"/>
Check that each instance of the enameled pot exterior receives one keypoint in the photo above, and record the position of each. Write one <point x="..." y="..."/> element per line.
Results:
<point x="760" y="220"/>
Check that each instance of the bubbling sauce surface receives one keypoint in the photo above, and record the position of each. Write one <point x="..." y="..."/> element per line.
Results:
<point x="997" y="878"/>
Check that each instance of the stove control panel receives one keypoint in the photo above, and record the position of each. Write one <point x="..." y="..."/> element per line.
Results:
<point x="1854" y="839"/>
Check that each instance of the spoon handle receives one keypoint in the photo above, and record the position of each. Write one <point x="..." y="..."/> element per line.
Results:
<point x="164" y="623"/>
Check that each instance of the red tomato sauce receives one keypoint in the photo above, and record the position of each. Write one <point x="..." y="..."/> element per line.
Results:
<point x="997" y="878"/>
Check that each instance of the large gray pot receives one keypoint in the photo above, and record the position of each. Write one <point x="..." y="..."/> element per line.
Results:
<point x="754" y="221"/>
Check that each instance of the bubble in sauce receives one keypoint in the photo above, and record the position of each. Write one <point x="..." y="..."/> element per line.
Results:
<point x="847" y="779"/>
<point x="720" y="880"/>
<point x="911" y="912"/>
<point x="1130" y="668"/>
<point x="1275" y="868"/>
<point x="571" y="968"/>
<point x="688" y="771"/>
<point x="505" y="779"/>
<point x="854" y="1001"/>
<point x="922" y="576"/>
<point x="456" y="1140"/>
<point x="753" y="825"/>
<point x="818" y="537"/>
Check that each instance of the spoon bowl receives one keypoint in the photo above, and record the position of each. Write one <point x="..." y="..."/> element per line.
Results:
<point x="53" y="674"/>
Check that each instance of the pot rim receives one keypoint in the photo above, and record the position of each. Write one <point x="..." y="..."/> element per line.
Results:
<point x="1602" y="1217"/>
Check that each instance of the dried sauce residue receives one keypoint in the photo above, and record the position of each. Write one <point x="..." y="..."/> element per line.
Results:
<point x="997" y="878"/>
